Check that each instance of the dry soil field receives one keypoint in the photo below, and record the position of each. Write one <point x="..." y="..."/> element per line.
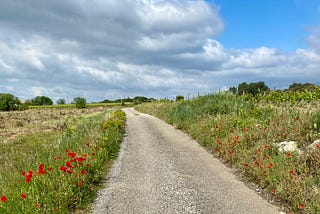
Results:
<point x="16" y="123"/>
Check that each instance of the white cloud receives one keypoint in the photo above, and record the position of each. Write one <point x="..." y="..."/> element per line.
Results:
<point x="107" y="49"/>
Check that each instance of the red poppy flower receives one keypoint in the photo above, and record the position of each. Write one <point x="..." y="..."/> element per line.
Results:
<point x="83" y="172"/>
<point x="50" y="168"/>
<point x="23" y="174"/>
<point x="301" y="206"/>
<point x="273" y="191"/>
<point x="72" y="154"/>
<point x="3" y="199"/>
<point x="28" y="179"/>
<point x="62" y="168"/>
<point x="23" y="196"/>
<point x="79" y="183"/>
<point x="68" y="164"/>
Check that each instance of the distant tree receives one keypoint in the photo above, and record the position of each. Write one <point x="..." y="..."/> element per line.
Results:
<point x="61" y="101"/>
<point x="41" y="101"/>
<point x="179" y="98"/>
<point x="8" y="102"/>
<point x="298" y="87"/>
<point x="252" y="88"/>
<point x="243" y="88"/>
<point x="80" y="102"/>
<point x="233" y="90"/>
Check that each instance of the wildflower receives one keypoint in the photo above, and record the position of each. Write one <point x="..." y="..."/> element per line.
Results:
<point x="288" y="155"/>
<point x="50" y="168"/>
<point x="41" y="169"/>
<point x="273" y="191"/>
<point x="268" y="157"/>
<point x="37" y="205"/>
<point x="23" y="174"/>
<point x="80" y="159"/>
<point x="83" y="172"/>
<point x="68" y="164"/>
<point x="301" y="206"/>
<point x="87" y="144"/>
<point x="266" y="147"/>
<point x="69" y="171"/>
<point x="23" y="196"/>
<point x="79" y="183"/>
<point x="62" y="168"/>
<point x="93" y="154"/>
<point x="270" y="165"/>
<point x="3" y="199"/>
<point x="72" y="154"/>
<point x="29" y="176"/>
<point x="246" y="165"/>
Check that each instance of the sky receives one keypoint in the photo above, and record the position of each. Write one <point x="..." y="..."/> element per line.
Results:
<point x="108" y="49"/>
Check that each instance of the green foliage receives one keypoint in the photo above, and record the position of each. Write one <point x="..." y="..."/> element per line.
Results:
<point x="8" y="102"/>
<point x="179" y="98"/>
<point x="40" y="101"/>
<point x="80" y="102"/>
<point x="299" y="87"/>
<point x="61" y="101"/>
<point x="252" y="88"/>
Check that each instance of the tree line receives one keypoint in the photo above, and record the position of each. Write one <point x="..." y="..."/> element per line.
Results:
<point x="256" y="88"/>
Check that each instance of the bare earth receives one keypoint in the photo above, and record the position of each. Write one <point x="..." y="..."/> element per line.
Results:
<point x="162" y="170"/>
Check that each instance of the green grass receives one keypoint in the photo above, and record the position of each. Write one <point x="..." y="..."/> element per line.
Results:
<point x="58" y="172"/>
<point x="245" y="134"/>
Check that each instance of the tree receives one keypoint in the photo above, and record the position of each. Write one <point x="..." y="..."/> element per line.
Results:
<point x="41" y="101"/>
<point x="179" y="98"/>
<point x="298" y="87"/>
<point x="61" y="101"/>
<point x="80" y="102"/>
<point x="8" y="102"/>
<point x="233" y="90"/>
<point x="252" y="88"/>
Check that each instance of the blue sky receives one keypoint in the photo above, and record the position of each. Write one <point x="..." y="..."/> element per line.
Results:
<point x="282" y="24"/>
<point x="102" y="49"/>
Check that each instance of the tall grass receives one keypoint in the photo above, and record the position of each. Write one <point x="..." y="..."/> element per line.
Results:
<point x="58" y="172"/>
<point x="245" y="134"/>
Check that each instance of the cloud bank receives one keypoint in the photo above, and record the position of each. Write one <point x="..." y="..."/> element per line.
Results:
<point x="158" y="48"/>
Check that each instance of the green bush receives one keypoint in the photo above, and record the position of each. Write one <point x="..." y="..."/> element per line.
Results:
<point x="80" y="102"/>
<point x="8" y="102"/>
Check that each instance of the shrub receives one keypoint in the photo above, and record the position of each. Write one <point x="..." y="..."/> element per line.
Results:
<point x="8" y="102"/>
<point x="80" y="102"/>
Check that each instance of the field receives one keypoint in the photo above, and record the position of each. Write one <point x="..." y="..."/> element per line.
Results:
<point x="16" y="123"/>
<point x="53" y="160"/>
<point x="245" y="132"/>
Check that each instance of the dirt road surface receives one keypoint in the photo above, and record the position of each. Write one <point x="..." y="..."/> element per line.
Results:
<point x="162" y="170"/>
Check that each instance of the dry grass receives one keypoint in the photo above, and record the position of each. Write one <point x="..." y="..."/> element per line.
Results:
<point x="18" y="123"/>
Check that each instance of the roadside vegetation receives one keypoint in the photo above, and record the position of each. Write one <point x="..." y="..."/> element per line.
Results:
<point x="59" y="171"/>
<point x="245" y="130"/>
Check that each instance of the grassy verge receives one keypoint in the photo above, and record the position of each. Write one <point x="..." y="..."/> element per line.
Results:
<point x="57" y="172"/>
<point x="245" y="134"/>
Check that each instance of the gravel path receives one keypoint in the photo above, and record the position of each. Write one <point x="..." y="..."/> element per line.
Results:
<point x="162" y="170"/>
